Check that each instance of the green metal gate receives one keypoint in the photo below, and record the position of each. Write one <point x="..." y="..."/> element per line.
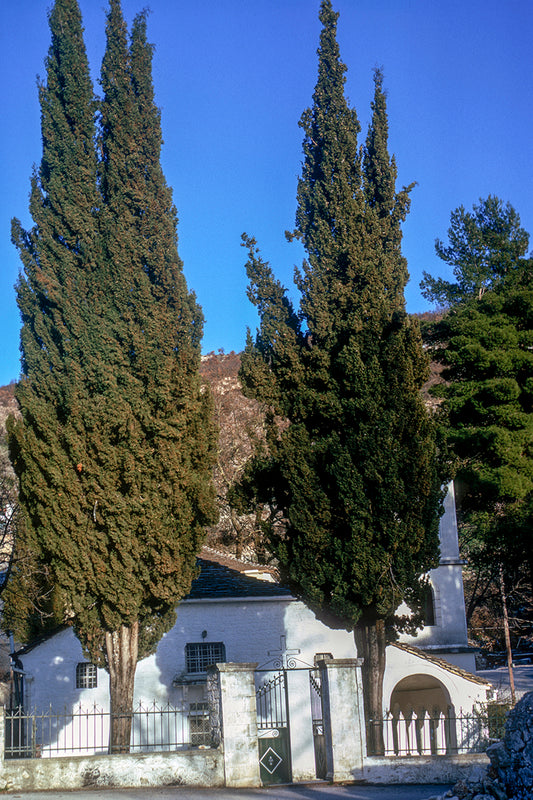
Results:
<point x="273" y="729"/>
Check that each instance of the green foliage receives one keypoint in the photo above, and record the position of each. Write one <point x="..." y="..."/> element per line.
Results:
<point x="485" y="343"/>
<point x="488" y="397"/>
<point x="349" y="469"/>
<point x="32" y="604"/>
<point x="496" y="716"/>
<point x="116" y="446"/>
<point x="486" y="248"/>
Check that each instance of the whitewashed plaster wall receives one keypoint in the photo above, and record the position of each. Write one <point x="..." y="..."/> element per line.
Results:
<point x="50" y="676"/>
<point x="261" y="630"/>
<point x="269" y="631"/>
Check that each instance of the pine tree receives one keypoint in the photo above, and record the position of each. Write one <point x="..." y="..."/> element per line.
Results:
<point x="349" y="473"/>
<point x="486" y="249"/>
<point x="116" y="447"/>
<point x="484" y="342"/>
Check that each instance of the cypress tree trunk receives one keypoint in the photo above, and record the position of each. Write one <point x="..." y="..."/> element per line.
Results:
<point x="371" y="642"/>
<point x="122" y="648"/>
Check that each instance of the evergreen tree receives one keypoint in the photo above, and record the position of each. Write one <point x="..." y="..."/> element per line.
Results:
<point x="116" y="446"/>
<point x="486" y="248"/>
<point x="485" y="343"/>
<point x="349" y="473"/>
<point x="59" y="255"/>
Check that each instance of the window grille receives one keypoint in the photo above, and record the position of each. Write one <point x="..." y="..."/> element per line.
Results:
<point x="86" y="675"/>
<point x="199" y="730"/>
<point x="200" y="655"/>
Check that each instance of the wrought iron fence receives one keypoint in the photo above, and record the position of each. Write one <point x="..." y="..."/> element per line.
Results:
<point x="85" y="731"/>
<point x="421" y="733"/>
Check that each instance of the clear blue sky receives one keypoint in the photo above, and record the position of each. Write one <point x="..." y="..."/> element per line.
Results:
<point x="232" y="78"/>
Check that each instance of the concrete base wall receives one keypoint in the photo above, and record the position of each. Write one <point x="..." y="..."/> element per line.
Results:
<point x="420" y="769"/>
<point x="206" y="768"/>
<point x="187" y="767"/>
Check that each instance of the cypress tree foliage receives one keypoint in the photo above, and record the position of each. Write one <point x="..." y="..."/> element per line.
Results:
<point x="349" y="474"/>
<point x="60" y="255"/>
<point x="116" y="448"/>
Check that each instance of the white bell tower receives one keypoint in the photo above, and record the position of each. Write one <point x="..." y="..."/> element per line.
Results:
<point x="447" y="637"/>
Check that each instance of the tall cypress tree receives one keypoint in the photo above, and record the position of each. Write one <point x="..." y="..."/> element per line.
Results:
<point x="350" y="474"/>
<point x="60" y="255"/>
<point x="115" y="452"/>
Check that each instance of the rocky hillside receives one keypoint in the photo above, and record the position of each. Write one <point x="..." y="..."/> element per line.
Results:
<point x="239" y="422"/>
<point x="8" y="405"/>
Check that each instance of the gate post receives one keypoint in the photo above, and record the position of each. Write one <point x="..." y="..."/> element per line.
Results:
<point x="344" y="719"/>
<point x="300" y="725"/>
<point x="239" y="724"/>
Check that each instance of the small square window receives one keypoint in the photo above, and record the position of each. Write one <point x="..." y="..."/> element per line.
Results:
<point x="201" y="655"/>
<point x="86" y="675"/>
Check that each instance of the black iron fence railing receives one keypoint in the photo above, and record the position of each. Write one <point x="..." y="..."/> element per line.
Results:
<point x="85" y="731"/>
<point x="422" y="734"/>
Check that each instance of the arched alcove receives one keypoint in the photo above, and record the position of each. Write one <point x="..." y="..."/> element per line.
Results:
<point x="422" y="717"/>
<point x="420" y="691"/>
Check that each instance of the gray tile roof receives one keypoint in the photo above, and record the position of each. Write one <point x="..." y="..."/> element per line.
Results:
<point x="215" y="581"/>
<point x="219" y="581"/>
<point x="245" y="565"/>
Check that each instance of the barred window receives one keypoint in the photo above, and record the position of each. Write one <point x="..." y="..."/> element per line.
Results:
<point x="200" y="655"/>
<point x="199" y="723"/>
<point x="86" y="675"/>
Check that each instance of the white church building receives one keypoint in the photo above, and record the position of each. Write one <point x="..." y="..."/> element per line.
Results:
<point x="237" y="613"/>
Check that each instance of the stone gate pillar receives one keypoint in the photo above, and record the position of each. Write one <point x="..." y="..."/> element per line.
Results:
<point x="344" y="718"/>
<point x="238" y="724"/>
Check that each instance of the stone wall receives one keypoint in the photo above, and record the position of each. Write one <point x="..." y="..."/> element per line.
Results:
<point x="188" y="767"/>
<point x="424" y="769"/>
<point x="509" y="774"/>
<point x="512" y="759"/>
<point x="233" y="760"/>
